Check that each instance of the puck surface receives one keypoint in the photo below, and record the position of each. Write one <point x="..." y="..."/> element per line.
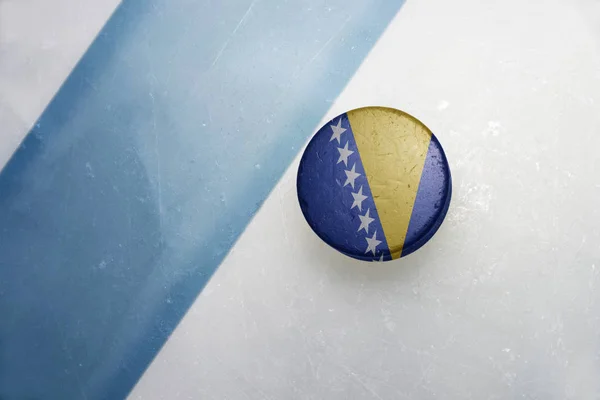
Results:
<point x="374" y="183"/>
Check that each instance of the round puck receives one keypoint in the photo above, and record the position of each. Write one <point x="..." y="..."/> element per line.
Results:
<point x="374" y="183"/>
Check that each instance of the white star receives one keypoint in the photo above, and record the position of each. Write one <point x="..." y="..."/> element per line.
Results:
<point x="337" y="131"/>
<point x="372" y="243"/>
<point x="380" y="259"/>
<point x="351" y="176"/>
<point x="344" y="154"/>
<point x="365" y="221"/>
<point x="359" y="197"/>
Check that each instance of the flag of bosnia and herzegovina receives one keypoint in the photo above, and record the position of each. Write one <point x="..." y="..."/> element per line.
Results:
<point x="374" y="183"/>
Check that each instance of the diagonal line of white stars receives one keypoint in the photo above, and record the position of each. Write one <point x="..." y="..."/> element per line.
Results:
<point x="359" y="197"/>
